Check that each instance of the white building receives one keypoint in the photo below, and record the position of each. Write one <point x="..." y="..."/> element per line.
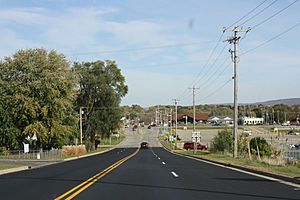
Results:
<point x="251" y="120"/>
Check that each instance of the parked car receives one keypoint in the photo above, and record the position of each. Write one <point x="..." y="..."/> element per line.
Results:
<point x="293" y="133"/>
<point x="190" y="145"/>
<point x="144" y="145"/>
<point x="247" y="132"/>
<point x="294" y="146"/>
<point x="149" y="127"/>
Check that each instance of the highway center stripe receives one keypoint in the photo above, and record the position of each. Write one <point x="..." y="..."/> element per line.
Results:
<point x="84" y="185"/>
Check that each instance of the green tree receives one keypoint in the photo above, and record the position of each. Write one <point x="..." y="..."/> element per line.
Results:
<point x="101" y="88"/>
<point x="37" y="92"/>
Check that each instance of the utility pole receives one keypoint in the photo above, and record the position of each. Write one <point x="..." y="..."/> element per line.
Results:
<point x="80" y="124"/>
<point x="194" y="108"/>
<point x="235" y="40"/>
<point x="175" y="102"/>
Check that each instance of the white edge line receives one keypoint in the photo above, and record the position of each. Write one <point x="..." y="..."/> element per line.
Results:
<point x="174" y="174"/>
<point x="245" y="172"/>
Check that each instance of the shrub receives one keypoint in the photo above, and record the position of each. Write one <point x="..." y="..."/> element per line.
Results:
<point x="262" y="145"/>
<point x="73" y="150"/>
<point x="223" y="141"/>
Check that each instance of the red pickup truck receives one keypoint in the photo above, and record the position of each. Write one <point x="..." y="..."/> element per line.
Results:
<point x="190" y="146"/>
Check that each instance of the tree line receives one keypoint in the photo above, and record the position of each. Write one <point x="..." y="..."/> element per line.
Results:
<point x="41" y="93"/>
<point x="279" y="113"/>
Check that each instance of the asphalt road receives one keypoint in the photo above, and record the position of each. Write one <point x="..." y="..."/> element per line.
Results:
<point x="151" y="173"/>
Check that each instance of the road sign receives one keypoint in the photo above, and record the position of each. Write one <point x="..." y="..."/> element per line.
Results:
<point x="196" y="136"/>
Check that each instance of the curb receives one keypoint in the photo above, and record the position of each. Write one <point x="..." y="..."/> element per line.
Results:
<point x="295" y="180"/>
<point x="12" y="170"/>
<point x="88" y="155"/>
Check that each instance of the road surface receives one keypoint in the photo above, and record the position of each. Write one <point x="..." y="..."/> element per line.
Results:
<point x="129" y="173"/>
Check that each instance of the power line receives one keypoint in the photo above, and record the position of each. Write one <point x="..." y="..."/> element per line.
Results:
<point x="265" y="8"/>
<point x="216" y="90"/>
<point x="277" y="13"/>
<point x="204" y="66"/>
<point x="246" y="15"/>
<point x="213" y="64"/>
<point x="273" y="38"/>
<point x="142" y="48"/>
<point x="166" y="64"/>
<point x="216" y="77"/>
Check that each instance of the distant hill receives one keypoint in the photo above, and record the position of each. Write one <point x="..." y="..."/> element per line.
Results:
<point x="291" y="101"/>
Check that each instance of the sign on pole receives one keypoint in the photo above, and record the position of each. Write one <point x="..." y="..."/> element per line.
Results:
<point x="26" y="148"/>
<point x="196" y="136"/>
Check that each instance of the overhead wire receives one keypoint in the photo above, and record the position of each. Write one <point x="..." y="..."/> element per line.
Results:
<point x="204" y="66"/>
<point x="207" y="83"/>
<point x="247" y="14"/>
<point x="273" y="38"/>
<point x="275" y="14"/>
<point x="216" y="90"/>
<point x="265" y="8"/>
<point x="142" y="48"/>
<point x="212" y="65"/>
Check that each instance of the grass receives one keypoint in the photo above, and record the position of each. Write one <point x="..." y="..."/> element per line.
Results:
<point x="290" y="170"/>
<point x="114" y="140"/>
<point x="8" y="166"/>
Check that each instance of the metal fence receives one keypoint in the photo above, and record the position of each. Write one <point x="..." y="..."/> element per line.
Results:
<point x="292" y="154"/>
<point x="55" y="154"/>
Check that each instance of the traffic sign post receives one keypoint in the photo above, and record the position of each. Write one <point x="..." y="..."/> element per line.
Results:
<point x="196" y="137"/>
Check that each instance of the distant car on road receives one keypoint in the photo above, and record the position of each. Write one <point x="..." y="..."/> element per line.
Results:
<point x="190" y="145"/>
<point x="126" y="126"/>
<point x="144" y="145"/>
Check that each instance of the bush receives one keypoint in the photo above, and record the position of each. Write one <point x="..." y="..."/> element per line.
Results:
<point x="73" y="150"/>
<point x="223" y="141"/>
<point x="262" y="145"/>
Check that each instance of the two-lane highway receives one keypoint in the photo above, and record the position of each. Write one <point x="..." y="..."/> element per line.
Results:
<point x="129" y="173"/>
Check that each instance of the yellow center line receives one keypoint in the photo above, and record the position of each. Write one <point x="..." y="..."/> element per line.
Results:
<point x="84" y="185"/>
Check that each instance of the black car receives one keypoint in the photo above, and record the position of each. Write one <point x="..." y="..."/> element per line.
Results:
<point x="149" y="127"/>
<point x="144" y="145"/>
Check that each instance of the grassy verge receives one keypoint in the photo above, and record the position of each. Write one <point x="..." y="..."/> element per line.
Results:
<point x="286" y="170"/>
<point x="112" y="140"/>
<point x="8" y="166"/>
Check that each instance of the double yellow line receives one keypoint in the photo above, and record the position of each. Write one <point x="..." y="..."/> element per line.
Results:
<point x="84" y="185"/>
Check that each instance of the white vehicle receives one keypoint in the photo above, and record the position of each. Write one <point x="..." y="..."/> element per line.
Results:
<point x="247" y="132"/>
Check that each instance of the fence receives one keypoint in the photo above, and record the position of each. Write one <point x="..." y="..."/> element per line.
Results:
<point x="292" y="154"/>
<point x="55" y="154"/>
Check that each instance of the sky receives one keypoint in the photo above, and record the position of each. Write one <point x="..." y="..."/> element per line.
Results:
<point x="165" y="47"/>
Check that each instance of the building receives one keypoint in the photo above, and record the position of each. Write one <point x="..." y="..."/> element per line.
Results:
<point x="251" y="121"/>
<point x="220" y="119"/>
<point x="188" y="118"/>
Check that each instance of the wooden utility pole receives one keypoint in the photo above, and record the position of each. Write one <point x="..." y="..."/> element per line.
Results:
<point x="175" y="102"/>
<point x="235" y="40"/>
<point x="194" y="108"/>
